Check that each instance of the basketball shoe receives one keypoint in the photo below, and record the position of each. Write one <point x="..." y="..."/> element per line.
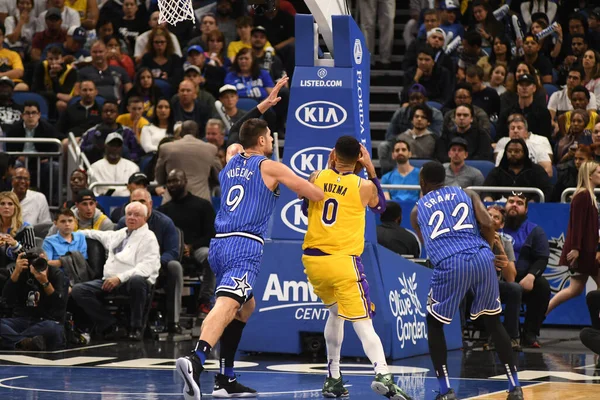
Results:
<point x="516" y="394"/>
<point x="385" y="386"/>
<point x="334" y="388"/>
<point x="189" y="367"/>
<point x="448" y="396"/>
<point x="226" y="387"/>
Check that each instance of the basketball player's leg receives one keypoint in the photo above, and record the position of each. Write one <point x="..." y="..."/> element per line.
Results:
<point x="486" y="305"/>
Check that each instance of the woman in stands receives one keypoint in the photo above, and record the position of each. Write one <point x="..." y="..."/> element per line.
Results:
<point x="580" y="251"/>
<point x="248" y="78"/>
<point x="20" y="28"/>
<point x="161" y="125"/>
<point x="116" y="57"/>
<point x="144" y="87"/>
<point x="485" y="23"/>
<point x="160" y="57"/>
<point x="576" y="134"/>
<point x="500" y="55"/>
<point x="591" y="66"/>
<point x="498" y="78"/>
<point x="15" y="235"/>
<point x="216" y="50"/>
<point x="549" y="46"/>
<point x="567" y="172"/>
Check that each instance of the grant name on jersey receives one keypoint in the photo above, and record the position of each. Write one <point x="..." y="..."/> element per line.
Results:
<point x="335" y="188"/>
<point x="439" y="199"/>
<point x="240" y="173"/>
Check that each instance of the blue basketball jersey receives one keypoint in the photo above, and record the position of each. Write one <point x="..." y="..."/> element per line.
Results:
<point x="246" y="202"/>
<point x="448" y="224"/>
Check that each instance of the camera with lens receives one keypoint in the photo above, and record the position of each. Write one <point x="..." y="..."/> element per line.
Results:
<point x="40" y="264"/>
<point x="261" y="7"/>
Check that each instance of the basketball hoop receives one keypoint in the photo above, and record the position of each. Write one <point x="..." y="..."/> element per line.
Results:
<point x="174" y="11"/>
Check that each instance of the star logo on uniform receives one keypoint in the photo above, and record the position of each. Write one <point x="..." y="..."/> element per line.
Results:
<point x="242" y="285"/>
<point x="339" y="179"/>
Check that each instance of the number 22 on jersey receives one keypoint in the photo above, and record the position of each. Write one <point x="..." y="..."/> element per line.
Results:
<point x="438" y="217"/>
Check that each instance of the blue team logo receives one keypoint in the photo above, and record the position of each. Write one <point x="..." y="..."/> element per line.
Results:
<point x="292" y="217"/>
<point x="321" y="114"/>
<point x="358" y="52"/>
<point x="310" y="159"/>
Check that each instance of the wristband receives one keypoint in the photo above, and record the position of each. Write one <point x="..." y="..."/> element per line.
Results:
<point x="380" y="207"/>
<point x="45" y="285"/>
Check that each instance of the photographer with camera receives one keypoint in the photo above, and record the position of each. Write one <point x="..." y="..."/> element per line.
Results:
<point x="38" y="295"/>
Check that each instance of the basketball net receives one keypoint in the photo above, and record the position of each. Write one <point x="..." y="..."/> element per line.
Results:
<point x="174" y="11"/>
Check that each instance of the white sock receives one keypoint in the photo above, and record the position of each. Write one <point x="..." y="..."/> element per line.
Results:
<point x="334" y="336"/>
<point x="372" y="345"/>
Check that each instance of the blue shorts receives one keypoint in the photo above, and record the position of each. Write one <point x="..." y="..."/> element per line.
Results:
<point x="455" y="276"/>
<point x="235" y="260"/>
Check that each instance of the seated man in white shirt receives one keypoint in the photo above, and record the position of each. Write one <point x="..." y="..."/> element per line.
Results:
<point x="540" y="151"/>
<point x="34" y="206"/>
<point x="112" y="168"/>
<point x="131" y="268"/>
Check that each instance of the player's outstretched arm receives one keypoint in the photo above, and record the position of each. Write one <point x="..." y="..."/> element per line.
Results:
<point x="414" y="221"/>
<point x="371" y="190"/>
<point x="282" y="174"/>
<point x="486" y="225"/>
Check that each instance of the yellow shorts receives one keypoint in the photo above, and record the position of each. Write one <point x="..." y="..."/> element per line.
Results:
<point x="340" y="279"/>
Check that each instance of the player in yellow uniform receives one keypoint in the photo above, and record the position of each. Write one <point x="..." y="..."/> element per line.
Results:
<point x="332" y="247"/>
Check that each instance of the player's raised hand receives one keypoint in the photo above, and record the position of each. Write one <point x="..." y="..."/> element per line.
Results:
<point x="365" y="160"/>
<point x="331" y="160"/>
<point x="232" y="150"/>
<point x="273" y="97"/>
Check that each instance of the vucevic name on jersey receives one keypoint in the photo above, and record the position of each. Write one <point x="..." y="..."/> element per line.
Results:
<point x="246" y="202"/>
<point x="448" y="224"/>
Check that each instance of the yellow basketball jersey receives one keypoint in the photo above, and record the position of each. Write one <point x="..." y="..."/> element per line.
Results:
<point x="80" y="6"/>
<point x="336" y="225"/>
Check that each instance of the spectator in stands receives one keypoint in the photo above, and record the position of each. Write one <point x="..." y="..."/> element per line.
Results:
<point x="394" y="237"/>
<point x="530" y="8"/>
<point x="566" y="146"/>
<point x="436" y="38"/>
<point x="83" y="114"/>
<point x="463" y="95"/>
<point x="498" y="79"/>
<point x="402" y="120"/>
<point x="211" y="77"/>
<point x="510" y="98"/>
<point x="105" y="28"/>
<point x="187" y="107"/>
<point x="133" y="119"/>
<point x="137" y="180"/>
<point x="112" y="168"/>
<point x="226" y="20"/>
<point x="501" y="55"/>
<point x="386" y="11"/>
<point x="17" y="234"/>
<point x="37" y="324"/>
<point x="162" y="125"/>
<point x="484" y="22"/>
<point x="248" y="78"/>
<point x="280" y="26"/>
<point x="457" y="172"/>
<point x="92" y="141"/>
<point x="451" y="16"/>
<point x="145" y="88"/>
<point x="20" y="27"/>
<point x="141" y="42"/>
<point x="69" y="16"/>
<point x="131" y="25"/>
<point x="168" y="241"/>
<point x="72" y="47"/>
<point x="112" y="82"/>
<point x="230" y="113"/>
<point x="66" y="240"/>
<point x="216" y="50"/>
<point x="10" y="112"/>
<point x="470" y="53"/>
<point x="34" y="205"/>
<point x="510" y="292"/>
<point x="420" y="139"/>
<point x="483" y="97"/>
<point x="538" y="117"/>
<point x="533" y="57"/>
<point x="53" y="33"/>
<point x="87" y="214"/>
<point x="517" y="170"/>
<point x="160" y="57"/>
<point x="539" y="148"/>
<point x="264" y="55"/>
<point x="579" y="45"/>
<point x="195" y="217"/>
<point x="243" y="27"/>
<point x="116" y="57"/>
<point x="131" y="268"/>
<point x="580" y="99"/>
<point x="88" y="12"/>
<point x="191" y="154"/>
<point x="215" y="133"/>
<point x="561" y="101"/>
<point x="54" y="79"/>
<point x="549" y="47"/>
<point x="403" y="174"/>
<point x="591" y="67"/>
<point x="77" y="181"/>
<point x="480" y="147"/>
<point x="433" y="77"/>
<point x="11" y="64"/>
<point x="431" y="20"/>
<point x="580" y="251"/>
<point x="568" y="171"/>
<point x="590" y="336"/>
<point x="208" y="23"/>
<point x="531" y="252"/>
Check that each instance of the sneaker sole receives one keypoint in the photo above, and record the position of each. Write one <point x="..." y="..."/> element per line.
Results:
<point x="191" y="390"/>
<point x="223" y="394"/>
<point x="383" y="390"/>
<point x="334" y="396"/>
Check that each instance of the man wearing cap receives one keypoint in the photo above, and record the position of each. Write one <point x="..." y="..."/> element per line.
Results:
<point x="73" y="45"/>
<point x="457" y="172"/>
<point x="435" y="78"/>
<point x="87" y="214"/>
<point x="11" y="64"/>
<point x="280" y="27"/>
<point x="142" y="40"/>
<point x="265" y="55"/>
<point x="112" y="168"/>
<point x="52" y="33"/>
<point x="55" y="80"/>
<point x="69" y="17"/>
<point x="138" y="180"/>
<point x="436" y="39"/>
<point x="211" y="77"/>
<point x="538" y="117"/>
<point x="229" y="112"/>
<point x="10" y="112"/>
<point x="244" y="31"/>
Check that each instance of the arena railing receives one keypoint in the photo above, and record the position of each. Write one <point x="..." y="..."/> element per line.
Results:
<point x="491" y="189"/>
<point x="104" y="184"/>
<point x="52" y="155"/>
<point x="568" y="191"/>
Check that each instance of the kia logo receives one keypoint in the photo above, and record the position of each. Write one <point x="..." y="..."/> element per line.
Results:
<point x="310" y="159"/>
<point x="321" y="114"/>
<point x="358" y="52"/>
<point x="292" y="217"/>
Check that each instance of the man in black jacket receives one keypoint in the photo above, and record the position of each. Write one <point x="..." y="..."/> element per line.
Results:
<point x="435" y="78"/>
<point x="39" y="298"/>
<point x="83" y="114"/>
<point x="394" y="237"/>
<point x="517" y="170"/>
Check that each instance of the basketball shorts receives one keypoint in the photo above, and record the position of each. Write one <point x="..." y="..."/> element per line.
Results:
<point x="235" y="260"/>
<point x="456" y="275"/>
<point x="340" y="279"/>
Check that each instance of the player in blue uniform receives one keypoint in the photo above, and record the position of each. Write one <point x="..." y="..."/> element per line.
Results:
<point x="249" y="183"/>
<point x="448" y="220"/>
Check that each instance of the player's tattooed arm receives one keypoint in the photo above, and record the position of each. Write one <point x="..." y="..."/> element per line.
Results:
<point x="313" y="176"/>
